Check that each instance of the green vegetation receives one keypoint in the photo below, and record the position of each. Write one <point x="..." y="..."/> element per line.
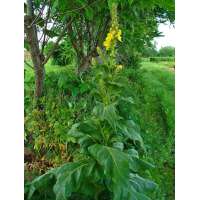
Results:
<point x="164" y="54"/>
<point x="167" y="52"/>
<point x="99" y="123"/>
<point x="158" y="59"/>
<point x="69" y="101"/>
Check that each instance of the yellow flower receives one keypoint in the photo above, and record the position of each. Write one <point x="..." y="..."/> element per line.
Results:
<point x="108" y="41"/>
<point x="112" y="37"/>
<point x="106" y="44"/>
<point x="119" y="67"/>
<point x="119" y="37"/>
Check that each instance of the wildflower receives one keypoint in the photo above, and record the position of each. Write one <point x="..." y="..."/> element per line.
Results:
<point x="119" y="67"/>
<point x="112" y="36"/>
<point x="119" y="37"/>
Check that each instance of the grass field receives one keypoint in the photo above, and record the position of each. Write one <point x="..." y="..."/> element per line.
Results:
<point x="155" y="108"/>
<point x="154" y="112"/>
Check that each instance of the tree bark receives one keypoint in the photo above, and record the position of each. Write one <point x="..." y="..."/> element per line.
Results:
<point x="36" y="56"/>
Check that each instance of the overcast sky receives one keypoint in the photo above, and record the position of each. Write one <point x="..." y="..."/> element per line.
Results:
<point x="169" y="36"/>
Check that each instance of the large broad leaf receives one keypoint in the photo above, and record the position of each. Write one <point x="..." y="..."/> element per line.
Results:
<point x="134" y="195"/>
<point x="116" y="168"/>
<point x="43" y="183"/>
<point x="71" y="177"/>
<point x="85" y="133"/>
<point x="108" y="113"/>
<point x="135" y="163"/>
<point x="142" y="185"/>
<point x="130" y="129"/>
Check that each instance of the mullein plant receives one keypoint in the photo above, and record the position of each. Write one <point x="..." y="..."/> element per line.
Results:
<point x="107" y="144"/>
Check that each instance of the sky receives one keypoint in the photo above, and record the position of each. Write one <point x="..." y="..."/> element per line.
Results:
<point x="169" y="36"/>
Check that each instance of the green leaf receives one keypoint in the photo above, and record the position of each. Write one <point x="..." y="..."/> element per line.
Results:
<point x="89" y="13"/>
<point x="51" y="33"/>
<point x="133" y="153"/>
<point x="108" y="113"/>
<point x="75" y="91"/>
<point x="26" y="45"/>
<point x="85" y="133"/>
<point x="134" y="195"/>
<point x="116" y="168"/>
<point x="84" y="87"/>
<point x="111" y="2"/>
<point x="62" y="81"/>
<point x="118" y="145"/>
<point x="137" y="164"/>
<point x="130" y="2"/>
<point x="129" y="129"/>
<point x="142" y="185"/>
<point x="43" y="181"/>
<point x="71" y="176"/>
<point x="127" y="99"/>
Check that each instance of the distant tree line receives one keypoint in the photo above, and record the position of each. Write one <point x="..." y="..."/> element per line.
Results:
<point x="167" y="51"/>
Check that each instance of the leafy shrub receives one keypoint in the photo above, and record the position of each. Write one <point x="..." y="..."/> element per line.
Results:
<point x="149" y="52"/>
<point x="167" y="51"/>
<point x="63" y="54"/>
<point x="129" y="57"/>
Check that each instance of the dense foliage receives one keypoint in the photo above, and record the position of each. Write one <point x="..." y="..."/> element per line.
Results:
<point x="63" y="54"/>
<point x="158" y="59"/>
<point x="167" y="52"/>
<point x="68" y="101"/>
<point x="86" y="131"/>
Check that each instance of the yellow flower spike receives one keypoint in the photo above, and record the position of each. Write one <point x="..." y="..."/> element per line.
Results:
<point x="114" y="33"/>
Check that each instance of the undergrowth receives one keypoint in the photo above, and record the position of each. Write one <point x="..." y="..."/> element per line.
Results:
<point x="68" y="100"/>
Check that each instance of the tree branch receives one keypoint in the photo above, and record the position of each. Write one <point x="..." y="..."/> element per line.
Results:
<point x="45" y="28"/>
<point x="56" y="43"/>
<point x="29" y="65"/>
<point x="40" y="13"/>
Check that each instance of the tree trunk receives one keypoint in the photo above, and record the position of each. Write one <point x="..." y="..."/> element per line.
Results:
<point x="83" y="64"/>
<point x="37" y="57"/>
